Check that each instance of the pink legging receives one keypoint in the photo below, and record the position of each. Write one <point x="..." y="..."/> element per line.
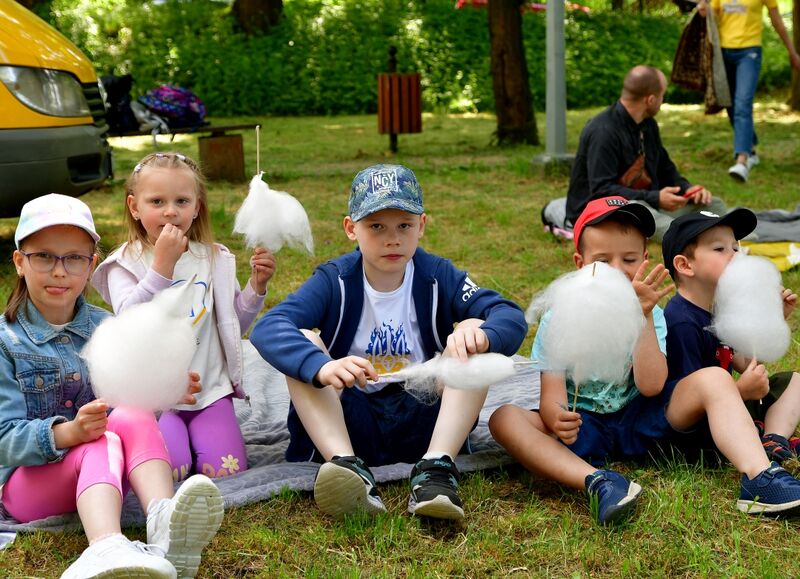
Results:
<point x="132" y="438"/>
<point x="212" y="435"/>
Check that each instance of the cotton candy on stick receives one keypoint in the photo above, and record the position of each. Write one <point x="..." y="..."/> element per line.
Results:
<point x="748" y="309"/>
<point x="594" y="322"/>
<point x="478" y="371"/>
<point x="141" y="357"/>
<point x="272" y="219"/>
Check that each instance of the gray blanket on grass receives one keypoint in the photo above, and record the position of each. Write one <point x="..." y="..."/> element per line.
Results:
<point x="263" y="424"/>
<point x="777" y="225"/>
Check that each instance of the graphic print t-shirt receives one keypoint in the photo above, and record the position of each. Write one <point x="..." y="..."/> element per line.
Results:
<point x="388" y="332"/>
<point x="209" y="359"/>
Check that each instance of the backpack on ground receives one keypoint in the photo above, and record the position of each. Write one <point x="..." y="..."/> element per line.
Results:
<point x="119" y="116"/>
<point x="180" y="107"/>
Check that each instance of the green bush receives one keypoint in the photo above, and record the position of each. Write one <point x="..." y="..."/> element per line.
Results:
<point x="324" y="55"/>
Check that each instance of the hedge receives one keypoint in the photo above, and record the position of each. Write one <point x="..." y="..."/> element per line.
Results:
<point x="322" y="58"/>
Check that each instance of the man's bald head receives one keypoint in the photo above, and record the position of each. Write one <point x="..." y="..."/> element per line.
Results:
<point x="643" y="81"/>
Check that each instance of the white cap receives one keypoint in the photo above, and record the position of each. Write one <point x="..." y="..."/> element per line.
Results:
<point x="54" y="209"/>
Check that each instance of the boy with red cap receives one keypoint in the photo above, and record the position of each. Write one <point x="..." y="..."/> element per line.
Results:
<point x="627" y="419"/>
<point x="611" y="421"/>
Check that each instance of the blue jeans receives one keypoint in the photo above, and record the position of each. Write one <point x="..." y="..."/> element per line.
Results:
<point x="742" y="66"/>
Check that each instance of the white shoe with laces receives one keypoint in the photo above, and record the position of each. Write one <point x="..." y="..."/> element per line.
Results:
<point x="752" y="161"/>
<point x="116" y="556"/>
<point x="186" y="523"/>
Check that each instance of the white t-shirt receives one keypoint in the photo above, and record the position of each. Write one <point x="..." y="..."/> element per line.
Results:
<point x="388" y="332"/>
<point x="209" y="359"/>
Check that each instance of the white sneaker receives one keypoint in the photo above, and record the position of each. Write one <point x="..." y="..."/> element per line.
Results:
<point x="739" y="172"/>
<point x="186" y="523"/>
<point x="752" y="161"/>
<point x="116" y="556"/>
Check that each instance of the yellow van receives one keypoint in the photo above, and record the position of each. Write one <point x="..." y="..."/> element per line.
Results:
<point x="52" y="113"/>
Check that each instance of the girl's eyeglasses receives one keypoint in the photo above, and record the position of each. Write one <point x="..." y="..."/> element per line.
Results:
<point x="43" y="262"/>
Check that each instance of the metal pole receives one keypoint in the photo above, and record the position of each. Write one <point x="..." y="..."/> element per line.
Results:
<point x="393" y="68"/>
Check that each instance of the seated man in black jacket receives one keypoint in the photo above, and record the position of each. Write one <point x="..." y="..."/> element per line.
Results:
<point x="620" y="153"/>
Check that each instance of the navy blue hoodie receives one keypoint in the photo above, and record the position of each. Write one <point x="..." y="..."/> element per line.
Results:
<point x="332" y="300"/>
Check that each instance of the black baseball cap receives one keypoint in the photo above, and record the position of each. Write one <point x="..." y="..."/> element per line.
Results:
<point x="686" y="228"/>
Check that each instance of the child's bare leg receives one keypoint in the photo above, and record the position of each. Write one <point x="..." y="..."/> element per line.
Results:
<point x="784" y="414"/>
<point x="320" y="411"/>
<point x="99" y="508"/>
<point x="713" y="393"/>
<point x="152" y="480"/>
<point x="457" y="414"/>
<point x="523" y="434"/>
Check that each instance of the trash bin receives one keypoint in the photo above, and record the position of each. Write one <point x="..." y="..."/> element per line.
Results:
<point x="399" y="103"/>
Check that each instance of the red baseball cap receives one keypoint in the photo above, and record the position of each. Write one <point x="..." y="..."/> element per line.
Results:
<point x="599" y="210"/>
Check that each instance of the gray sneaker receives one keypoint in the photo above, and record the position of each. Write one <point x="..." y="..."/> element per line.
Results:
<point x="739" y="172"/>
<point x="345" y="485"/>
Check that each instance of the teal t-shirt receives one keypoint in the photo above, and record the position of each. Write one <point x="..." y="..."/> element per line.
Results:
<point x="601" y="397"/>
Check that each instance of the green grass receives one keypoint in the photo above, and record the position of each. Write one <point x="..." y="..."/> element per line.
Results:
<point x="483" y="204"/>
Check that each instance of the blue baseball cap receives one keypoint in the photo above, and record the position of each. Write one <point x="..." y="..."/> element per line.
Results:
<point x="384" y="187"/>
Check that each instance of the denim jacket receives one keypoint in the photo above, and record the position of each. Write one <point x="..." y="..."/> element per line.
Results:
<point x="43" y="381"/>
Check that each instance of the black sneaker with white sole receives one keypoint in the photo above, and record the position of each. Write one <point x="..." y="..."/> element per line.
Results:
<point x="345" y="485"/>
<point x="434" y="489"/>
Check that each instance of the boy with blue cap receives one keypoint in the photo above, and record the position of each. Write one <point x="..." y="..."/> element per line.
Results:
<point x="378" y="309"/>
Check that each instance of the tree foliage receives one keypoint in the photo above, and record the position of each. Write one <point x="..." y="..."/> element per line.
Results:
<point x="323" y="56"/>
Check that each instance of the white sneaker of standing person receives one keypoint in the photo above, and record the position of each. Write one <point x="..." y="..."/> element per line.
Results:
<point x="186" y="523"/>
<point x="739" y="172"/>
<point x="116" y="556"/>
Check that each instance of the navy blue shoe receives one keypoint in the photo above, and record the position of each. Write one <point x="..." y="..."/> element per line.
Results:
<point x="777" y="447"/>
<point x="772" y="492"/>
<point x="611" y="496"/>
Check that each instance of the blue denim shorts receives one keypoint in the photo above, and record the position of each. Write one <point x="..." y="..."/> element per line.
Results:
<point x="629" y="433"/>
<point x="385" y="427"/>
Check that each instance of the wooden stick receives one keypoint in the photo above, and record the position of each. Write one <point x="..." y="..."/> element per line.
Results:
<point x="575" y="400"/>
<point x="258" y="149"/>
<point x="594" y="268"/>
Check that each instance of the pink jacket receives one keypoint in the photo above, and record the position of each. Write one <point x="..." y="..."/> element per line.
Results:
<point x="235" y="308"/>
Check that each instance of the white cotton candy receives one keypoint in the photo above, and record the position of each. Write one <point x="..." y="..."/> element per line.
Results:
<point x="141" y="357"/>
<point x="595" y="320"/>
<point x="480" y="371"/>
<point x="272" y="219"/>
<point x="748" y="309"/>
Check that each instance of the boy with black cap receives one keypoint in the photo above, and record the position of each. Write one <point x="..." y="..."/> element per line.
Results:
<point x="696" y="251"/>
<point x="611" y="421"/>
<point x="379" y="308"/>
<point x="705" y="397"/>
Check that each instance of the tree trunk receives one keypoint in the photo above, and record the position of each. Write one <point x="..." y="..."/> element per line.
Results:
<point x="617" y="4"/>
<point x="257" y="15"/>
<point x="512" y="93"/>
<point x="796" y="74"/>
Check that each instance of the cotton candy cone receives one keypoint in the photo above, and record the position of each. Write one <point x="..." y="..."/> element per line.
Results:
<point x="594" y="320"/>
<point x="141" y="357"/>
<point x="748" y="309"/>
<point x="272" y="219"/>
